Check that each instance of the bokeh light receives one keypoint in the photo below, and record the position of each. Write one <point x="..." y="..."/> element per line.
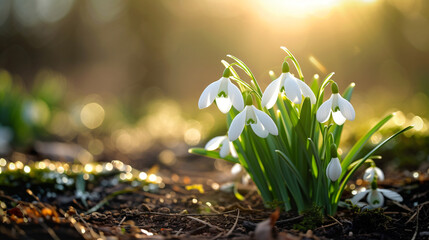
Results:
<point x="92" y="115"/>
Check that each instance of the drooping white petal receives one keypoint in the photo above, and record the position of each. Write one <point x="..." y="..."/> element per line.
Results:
<point x="370" y="173"/>
<point x="356" y="198"/>
<point x="224" y="149"/>
<point x="271" y="93"/>
<point x="214" y="143"/>
<point x="324" y="111"/>
<point x="237" y="125"/>
<point x="235" y="96"/>
<point x="380" y="174"/>
<point x="333" y="170"/>
<point x="266" y="121"/>
<point x="306" y="91"/>
<point x="292" y="90"/>
<point x="339" y="119"/>
<point x="236" y="169"/>
<point x="209" y="94"/>
<point x="375" y="199"/>
<point x="232" y="150"/>
<point x="346" y="108"/>
<point x="259" y="129"/>
<point x="224" y="104"/>
<point x="391" y="195"/>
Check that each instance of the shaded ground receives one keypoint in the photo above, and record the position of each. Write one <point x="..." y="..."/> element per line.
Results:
<point x="181" y="210"/>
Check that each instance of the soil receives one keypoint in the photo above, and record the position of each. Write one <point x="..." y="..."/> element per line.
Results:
<point x="202" y="211"/>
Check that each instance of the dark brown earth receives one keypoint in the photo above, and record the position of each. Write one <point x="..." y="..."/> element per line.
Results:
<point x="174" y="212"/>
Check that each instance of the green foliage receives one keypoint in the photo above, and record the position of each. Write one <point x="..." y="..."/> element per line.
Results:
<point x="291" y="167"/>
<point x="27" y="114"/>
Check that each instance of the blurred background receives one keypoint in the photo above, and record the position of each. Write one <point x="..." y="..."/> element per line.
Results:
<point x="110" y="79"/>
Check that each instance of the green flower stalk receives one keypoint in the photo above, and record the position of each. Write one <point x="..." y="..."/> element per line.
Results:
<point x="280" y="138"/>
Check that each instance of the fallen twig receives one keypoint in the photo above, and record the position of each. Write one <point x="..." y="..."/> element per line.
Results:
<point x="122" y="221"/>
<point x="93" y="234"/>
<point x="191" y="214"/>
<point x="178" y="232"/>
<point x="328" y="225"/>
<point x="289" y="219"/>
<point x="235" y="224"/>
<point x="417" y="224"/>
<point x="110" y="197"/>
<point x="206" y="223"/>
<point x="336" y="220"/>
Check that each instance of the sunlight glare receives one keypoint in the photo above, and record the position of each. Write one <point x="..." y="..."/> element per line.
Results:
<point x="92" y="115"/>
<point x="298" y="9"/>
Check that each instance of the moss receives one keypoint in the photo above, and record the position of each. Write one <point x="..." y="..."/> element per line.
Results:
<point x="366" y="221"/>
<point x="312" y="218"/>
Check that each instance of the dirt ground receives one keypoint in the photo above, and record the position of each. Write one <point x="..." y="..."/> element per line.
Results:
<point x="191" y="206"/>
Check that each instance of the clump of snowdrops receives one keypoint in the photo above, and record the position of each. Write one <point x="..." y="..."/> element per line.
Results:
<point x="286" y="137"/>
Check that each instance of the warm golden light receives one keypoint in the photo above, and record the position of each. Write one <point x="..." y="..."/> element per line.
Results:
<point x="60" y="169"/>
<point x="92" y="115"/>
<point x="109" y="166"/>
<point x="192" y="136"/>
<point x="143" y="176"/>
<point x="152" y="178"/>
<point x="417" y="122"/>
<point x="12" y="166"/>
<point x="19" y="165"/>
<point x="298" y="9"/>
<point x="88" y="168"/>
<point x="317" y="64"/>
<point x="2" y="162"/>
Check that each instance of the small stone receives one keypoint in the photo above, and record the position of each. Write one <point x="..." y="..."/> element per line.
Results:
<point x="164" y="210"/>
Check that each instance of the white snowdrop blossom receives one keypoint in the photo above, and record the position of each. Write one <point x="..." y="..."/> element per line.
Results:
<point x="333" y="170"/>
<point x="222" y="142"/>
<point x="293" y="87"/>
<point x="236" y="169"/>
<point x="375" y="198"/>
<point x="340" y="108"/>
<point x="224" y="92"/>
<point x="371" y="172"/>
<point x="260" y="122"/>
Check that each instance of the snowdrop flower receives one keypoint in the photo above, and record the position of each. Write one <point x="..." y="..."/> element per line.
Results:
<point x="225" y="93"/>
<point x="333" y="170"/>
<point x="293" y="87"/>
<point x="341" y="108"/>
<point x="260" y="122"/>
<point x="371" y="172"/>
<point x="222" y="142"/>
<point x="376" y="196"/>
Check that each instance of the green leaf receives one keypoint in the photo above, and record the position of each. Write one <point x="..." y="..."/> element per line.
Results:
<point x="305" y="117"/>
<point x="246" y="69"/>
<point x="325" y="83"/>
<point x="295" y="62"/>
<point x="362" y="161"/>
<point x="293" y="169"/>
<point x="362" y="141"/>
<point x="211" y="154"/>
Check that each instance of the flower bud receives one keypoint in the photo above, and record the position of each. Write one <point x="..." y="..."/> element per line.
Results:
<point x="285" y="67"/>
<point x="333" y="170"/>
<point x="226" y="73"/>
<point x="372" y="173"/>
<point x="249" y="100"/>
<point x="334" y="152"/>
<point x="334" y="88"/>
